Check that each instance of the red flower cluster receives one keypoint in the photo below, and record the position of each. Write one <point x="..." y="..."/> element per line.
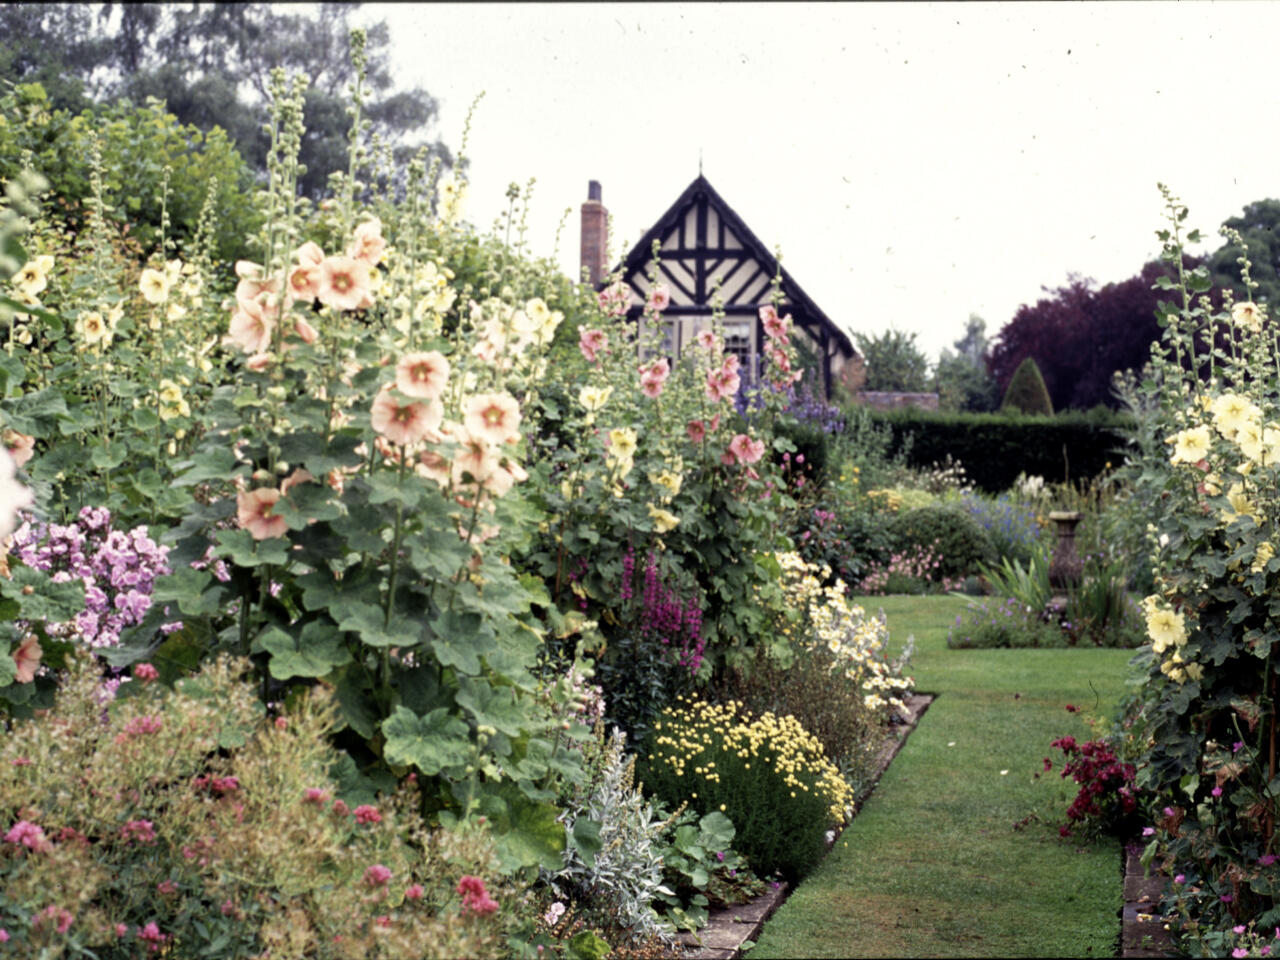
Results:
<point x="1107" y="791"/>
<point x="475" y="898"/>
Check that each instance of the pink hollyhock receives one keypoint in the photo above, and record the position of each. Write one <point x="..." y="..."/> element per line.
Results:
<point x="367" y="814"/>
<point x="653" y="377"/>
<point x="304" y="282"/>
<point x="745" y="449"/>
<point x="404" y="423"/>
<point x="368" y="243"/>
<point x="251" y="327"/>
<point x="305" y="331"/>
<point x="706" y="339"/>
<point x="591" y="342"/>
<point x="697" y="431"/>
<point x="377" y="875"/>
<point x="309" y="254"/>
<point x="422" y="375"/>
<point x="614" y="299"/>
<point x="473" y="458"/>
<point x="20" y="446"/>
<point x="659" y="298"/>
<point x="494" y="417"/>
<point x="775" y="327"/>
<point x="254" y="513"/>
<point x="731" y="363"/>
<point x="713" y="424"/>
<point x="722" y="384"/>
<point x="260" y="361"/>
<point x="344" y="283"/>
<point x="26" y="658"/>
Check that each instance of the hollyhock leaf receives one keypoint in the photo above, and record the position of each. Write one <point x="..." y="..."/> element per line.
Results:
<point x="137" y="643"/>
<point x="47" y="601"/>
<point x="388" y="487"/>
<point x="241" y="549"/>
<point x="527" y="832"/>
<point x="430" y="743"/>
<point x="357" y="705"/>
<point x="419" y="689"/>
<point x="460" y="639"/>
<point x="495" y="707"/>
<point x="8" y="669"/>
<point x="314" y="654"/>
<point x="35" y="413"/>
<point x="189" y="589"/>
<point x="217" y="463"/>
<point x="306" y="502"/>
<point x="144" y="419"/>
<point x="12" y="373"/>
<point x="369" y="621"/>
<point x="355" y="786"/>
<point x="362" y="526"/>
<point x="300" y="446"/>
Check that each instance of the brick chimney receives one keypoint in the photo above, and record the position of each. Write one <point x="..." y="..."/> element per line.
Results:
<point x="595" y="233"/>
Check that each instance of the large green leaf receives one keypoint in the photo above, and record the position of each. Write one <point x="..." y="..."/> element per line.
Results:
<point x="716" y="831"/>
<point x="430" y="743"/>
<point x="216" y="463"/>
<point x="42" y="599"/>
<point x="369" y="621"/>
<point x="35" y="413"/>
<point x="313" y="654"/>
<point x="244" y="551"/>
<point x="388" y="487"/>
<point x="495" y="707"/>
<point x="8" y="669"/>
<point x="460" y="639"/>
<point x="586" y="839"/>
<point x="190" y="590"/>
<point x="526" y="832"/>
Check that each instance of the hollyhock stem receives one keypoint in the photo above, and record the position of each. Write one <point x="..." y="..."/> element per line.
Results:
<point x="395" y="550"/>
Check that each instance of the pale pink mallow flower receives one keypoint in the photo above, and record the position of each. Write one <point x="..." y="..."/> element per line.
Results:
<point x="731" y="364"/>
<point x="405" y="423"/>
<point x="614" y="299"/>
<point x="26" y="658"/>
<point x="697" y="431"/>
<point x="591" y="342"/>
<point x="344" y="283"/>
<point x="422" y="375"/>
<point x="260" y="361"/>
<point x="653" y="377"/>
<point x="368" y="243"/>
<point x="775" y="327"/>
<point x="494" y="417"/>
<point x="706" y="339"/>
<point x="251" y="327"/>
<point x="659" y="298"/>
<point x="473" y="459"/>
<point x="20" y="445"/>
<point x="745" y="449"/>
<point x="722" y="384"/>
<point x="305" y="331"/>
<point x="254" y="513"/>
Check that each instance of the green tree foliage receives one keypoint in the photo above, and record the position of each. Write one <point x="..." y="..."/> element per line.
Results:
<point x="137" y="144"/>
<point x="210" y="62"/>
<point x="1027" y="392"/>
<point x="961" y="377"/>
<point x="894" y="362"/>
<point x="1257" y="226"/>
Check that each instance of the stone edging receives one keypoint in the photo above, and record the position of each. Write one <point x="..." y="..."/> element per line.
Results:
<point x="729" y="927"/>
<point x="1142" y="929"/>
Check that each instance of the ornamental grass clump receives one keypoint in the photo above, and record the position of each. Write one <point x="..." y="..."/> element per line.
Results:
<point x="767" y="774"/>
<point x="187" y="822"/>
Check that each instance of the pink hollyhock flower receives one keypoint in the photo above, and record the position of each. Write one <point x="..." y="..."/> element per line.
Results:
<point x="254" y="513"/>
<point x="494" y="417"/>
<point x="697" y="431"/>
<point x="746" y="449"/>
<point x="377" y="875"/>
<point x="404" y="423"/>
<point x="251" y="289"/>
<point x="309" y="254"/>
<point x="706" y="339"/>
<point x="659" y="298"/>
<point x="368" y="242"/>
<point x="775" y="327"/>
<point x="251" y="329"/>
<point x="653" y="377"/>
<point x="722" y="384"/>
<point x="260" y="361"/>
<point x="367" y="814"/>
<point x="591" y="342"/>
<point x="27" y="658"/>
<point x="614" y="299"/>
<point x="422" y="375"/>
<point x="713" y="424"/>
<point x="304" y="282"/>
<point x="473" y="456"/>
<point x="305" y="331"/>
<point x="344" y="283"/>
<point x="20" y="446"/>
<point x="295" y="478"/>
<point x="731" y="363"/>
<point x="145" y="673"/>
<point x="727" y="458"/>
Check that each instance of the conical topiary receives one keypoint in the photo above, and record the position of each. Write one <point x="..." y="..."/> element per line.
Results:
<point x="1027" y="391"/>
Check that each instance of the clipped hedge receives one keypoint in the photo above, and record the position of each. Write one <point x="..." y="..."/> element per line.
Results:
<point x="996" y="447"/>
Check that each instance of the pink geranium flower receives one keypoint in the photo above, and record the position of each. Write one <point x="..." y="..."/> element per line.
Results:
<point x="404" y="423"/>
<point x="422" y="375"/>
<point x="344" y="283"/>
<point x="254" y="513"/>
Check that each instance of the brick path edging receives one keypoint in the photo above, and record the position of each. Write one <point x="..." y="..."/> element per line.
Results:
<point x="1142" y="928"/>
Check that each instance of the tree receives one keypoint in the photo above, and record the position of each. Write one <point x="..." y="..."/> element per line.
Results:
<point x="894" y="362"/>
<point x="1026" y="391"/>
<point x="960" y="378"/>
<point x="1080" y="335"/>
<point x="211" y="64"/>
<point x="1257" y="227"/>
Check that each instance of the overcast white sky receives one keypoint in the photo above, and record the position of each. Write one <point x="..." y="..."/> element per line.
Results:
<point x="916" y="162"/>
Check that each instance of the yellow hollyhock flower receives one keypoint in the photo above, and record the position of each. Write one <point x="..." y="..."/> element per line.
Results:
<point x="1231" y="412"/>
<point x="1165" y="628"/>
<point x="1191" y="445"/>
<point x="154" y="286"/>
<point x="663" y="520"/>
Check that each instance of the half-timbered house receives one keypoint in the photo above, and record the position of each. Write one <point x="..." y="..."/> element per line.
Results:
<point x="702" y="242"/>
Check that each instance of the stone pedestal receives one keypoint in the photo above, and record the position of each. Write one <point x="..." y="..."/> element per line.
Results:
<point x="1066" y="568"/>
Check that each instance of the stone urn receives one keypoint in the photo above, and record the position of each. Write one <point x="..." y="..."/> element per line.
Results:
<point x="1065" y="568"/>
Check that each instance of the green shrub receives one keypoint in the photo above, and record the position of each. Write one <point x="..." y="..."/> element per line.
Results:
<point x="954" y="537"/>
<point x="810" y="443"/>
<point x="996" y="622"/>
<point x="1026" y="391"/>
<point x="768" y="775"/>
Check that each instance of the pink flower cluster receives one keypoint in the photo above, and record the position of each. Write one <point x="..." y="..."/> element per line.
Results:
<point x="366" y="814"/>
<point x="723" y="381"/>
<point x="592" y="342"/>
<point x="475" y="898"/>
<point x="919" y="563"/>
<point x="614" y="299"/>
<point x="742" y="449"/>
<point x="29" y="835"/>
<point x="653" y="377"/>
<point x="778" y="331"/>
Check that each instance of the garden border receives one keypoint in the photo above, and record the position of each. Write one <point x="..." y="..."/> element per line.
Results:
<point x="1142" y="928"/>
<point x="730" y="927"/>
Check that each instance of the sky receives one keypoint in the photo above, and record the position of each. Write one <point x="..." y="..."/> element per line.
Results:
<point x="916" y="163"/>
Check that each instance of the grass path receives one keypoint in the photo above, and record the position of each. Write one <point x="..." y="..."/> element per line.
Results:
<point x="932" y="866"/>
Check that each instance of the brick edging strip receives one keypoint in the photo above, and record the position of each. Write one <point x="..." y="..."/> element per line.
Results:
<point x="730" y="927"/>
<point x="1142" y="928"/>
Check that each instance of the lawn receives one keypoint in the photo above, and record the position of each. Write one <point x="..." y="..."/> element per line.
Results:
<point x="933" y="865"/>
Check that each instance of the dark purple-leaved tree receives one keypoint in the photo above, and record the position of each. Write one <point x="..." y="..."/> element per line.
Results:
<point x="1081" y="334"/>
